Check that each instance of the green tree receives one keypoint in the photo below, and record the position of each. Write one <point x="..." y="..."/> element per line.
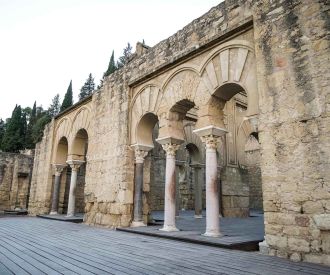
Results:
<point x="112" y="65"/>
<point x="39" y="126"/>
<point x="88" y="88"/>
<point x="127" y="53"/>
<point x="54" y="107"/>
<point x="14" y="137"/>
<point x="68" y="98"/>
<point x="2" y="131"/>
<point x="32" y="120"/>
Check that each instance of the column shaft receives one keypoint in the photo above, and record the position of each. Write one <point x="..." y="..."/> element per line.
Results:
<point x="138" y="191"/>
<point x="198" y="193"/>
<point x="72" y="194"/>
<point x="177" y="197"/>
<point x="56" y="192"/>
<point x="212" y="195"/>
<point x="170" y="190"/>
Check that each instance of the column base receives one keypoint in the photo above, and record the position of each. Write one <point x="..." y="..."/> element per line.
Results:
<point x="53" y="213"/>
<point x="169" y="228"/>
<point x="137" y="224"/>
<point x="198" y="216"/>
<point x="69" y="216"/>
<point x="212" y="234"/>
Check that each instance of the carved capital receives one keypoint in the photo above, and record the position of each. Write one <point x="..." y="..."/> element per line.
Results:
<point x="170" y="149"/>
<point x="140" y="155"/>
<point x="211" y="142"/>
<point x="75" y="164"/>
<point x="59" y="169"/>
<point x="141" y="151"/>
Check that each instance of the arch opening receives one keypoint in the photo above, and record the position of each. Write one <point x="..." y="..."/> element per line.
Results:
<point x="62" y="151"/>
<point x="229" y="90"/>
<point x="80" y="145"/>
<point x="145" y="129"/>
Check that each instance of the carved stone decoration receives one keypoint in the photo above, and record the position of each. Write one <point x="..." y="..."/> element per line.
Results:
<point x="140" y="155"/>
<point x="211" y="142"/>
<point x="170" y="149"/>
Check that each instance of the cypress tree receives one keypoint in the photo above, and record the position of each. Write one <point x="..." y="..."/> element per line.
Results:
<point x="2" y="131"/>
<point x="68" y="98"/>
<point x="54" y="107"/>
<point x="127" y="53"/>
<point x="13" y="139"/>
<point x="88" y="87"/>
<point x="28" y="138"/>
<point x="112" y="65"/>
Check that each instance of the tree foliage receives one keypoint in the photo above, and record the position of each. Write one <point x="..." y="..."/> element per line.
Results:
<point x="127" y="53"/>
<point x="54" y="107"/>
<point x="88" y="88"/>
<point x="32" y="120"/>
<point x="14" y="136"/>
<point x="68" y="98"/>
<point x="112" y="65"/>
<point x="2" y="131"/>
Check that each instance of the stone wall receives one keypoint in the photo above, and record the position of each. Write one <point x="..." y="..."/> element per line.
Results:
<point x="41" y="187"/>
<point x="292" y="51"/>
<point x="15" y="178"/>
<point x="291" y="57"/>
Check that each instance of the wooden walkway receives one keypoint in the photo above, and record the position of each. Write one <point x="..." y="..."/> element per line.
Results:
<point x="38" y="246"/>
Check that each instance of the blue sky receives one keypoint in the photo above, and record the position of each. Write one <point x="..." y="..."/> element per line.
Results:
<point x="46" y="43"/>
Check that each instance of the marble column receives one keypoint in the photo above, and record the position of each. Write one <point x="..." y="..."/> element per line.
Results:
<point x="198" y="187"/>
<point x="74" y="164"/>
<point x="141" y="152"/>
<point x="170" y="145"/>
<point x="58" y="171"/>
<point x="210" y="136"/>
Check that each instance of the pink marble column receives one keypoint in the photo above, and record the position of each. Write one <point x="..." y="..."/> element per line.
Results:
<point x="210" y="136"/>
<point x="170" y="145"/>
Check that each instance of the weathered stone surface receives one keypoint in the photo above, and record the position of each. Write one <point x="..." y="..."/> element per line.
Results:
<point x="259" y="69"/>
<point x="15" y="178"/>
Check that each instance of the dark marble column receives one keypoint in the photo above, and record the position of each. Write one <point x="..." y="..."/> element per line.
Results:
<point x="58" y="171"/>
<point x="141" y="152"/>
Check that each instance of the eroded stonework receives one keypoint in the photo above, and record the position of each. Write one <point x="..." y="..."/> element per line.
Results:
<point x="258" y="72"/>
<point x="15" y="178"/>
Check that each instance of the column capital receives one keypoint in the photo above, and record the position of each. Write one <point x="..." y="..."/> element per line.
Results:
<point x="210" y="135"/>
<point x="58" y="168"/>
<point x="170" y="144"/>
<point x="75" y="164"/>
<point x="141" y="151"/>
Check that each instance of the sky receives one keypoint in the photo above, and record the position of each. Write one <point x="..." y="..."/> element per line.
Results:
<point x="46" y="43"/>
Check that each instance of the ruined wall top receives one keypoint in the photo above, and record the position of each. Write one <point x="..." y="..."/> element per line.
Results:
<point x="220" y="23"/>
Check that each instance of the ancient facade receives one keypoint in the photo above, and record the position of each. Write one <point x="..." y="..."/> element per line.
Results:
<point x="230" y="113"/>
<point x="15" y="178"/>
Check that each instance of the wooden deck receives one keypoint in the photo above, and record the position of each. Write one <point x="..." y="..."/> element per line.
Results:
<point x="38" y="246"/>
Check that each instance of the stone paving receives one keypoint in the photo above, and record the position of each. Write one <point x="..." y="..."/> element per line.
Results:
<point x="30" y="245"/>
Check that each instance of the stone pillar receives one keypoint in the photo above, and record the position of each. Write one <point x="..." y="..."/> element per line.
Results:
<point x="170" y="145"/>
<point x="177" y="197"/>
<point x="198" y="187"/>
<point x="141" y="152"/>
<point x="74" y="164"/>
<point x="210" y="135"/>
<point x="58" y="171"/>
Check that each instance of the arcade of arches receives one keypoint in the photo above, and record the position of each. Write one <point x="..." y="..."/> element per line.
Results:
<point x="213" y="118"/>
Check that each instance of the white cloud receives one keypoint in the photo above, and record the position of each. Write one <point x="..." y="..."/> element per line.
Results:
<point x="46" y="43"/>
